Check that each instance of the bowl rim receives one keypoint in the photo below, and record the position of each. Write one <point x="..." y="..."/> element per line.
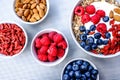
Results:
<point x="49" y="64"/>
<point x="75" y="59"/>
<point x="72" y="33"/>
<point x="26" y="40"/>
<point x="32" y="23"/>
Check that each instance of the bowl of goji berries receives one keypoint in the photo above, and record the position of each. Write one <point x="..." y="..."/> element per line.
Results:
<point x="96" y="29"/>
<point x="49" y="47"/>
<point x="13" y="39"/>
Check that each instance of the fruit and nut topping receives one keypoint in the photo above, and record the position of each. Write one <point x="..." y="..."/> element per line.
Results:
<point x="79" y="70"/>
<point x="97" y="28"/>
<point x="50" y="46"/>
<point x="30" y="10"/>
<point x="12" y="39"/>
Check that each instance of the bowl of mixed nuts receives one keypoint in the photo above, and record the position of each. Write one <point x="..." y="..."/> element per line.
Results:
<point x="31" y="11"/>
<point x="95" y="28"/>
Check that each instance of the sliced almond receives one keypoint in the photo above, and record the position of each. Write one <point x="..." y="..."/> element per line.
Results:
<point x="111" y="14"/>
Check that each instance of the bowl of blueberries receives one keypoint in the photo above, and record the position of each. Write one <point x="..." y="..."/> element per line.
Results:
<point x="80" y="69"/>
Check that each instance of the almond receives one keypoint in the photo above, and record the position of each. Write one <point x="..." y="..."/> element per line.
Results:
<point x="111" y="14"/>
<point x="117" y="18"/>
<point x="36" y="16"/>
<point x="26" y="1"/>
<point x="28" y="17"/>
<point x="33" y="5"/>
<point x="117" y="10"/>
<point x="41" y="13"/>
<point x="42" y="6"/>
<point x="35" y="10"/>
<point x="23" y="18"/>
<point x="32" y="19"/>
<point x="26" y="12"/>
<point x="25" y="6"/>
<point x="43" y="1"/>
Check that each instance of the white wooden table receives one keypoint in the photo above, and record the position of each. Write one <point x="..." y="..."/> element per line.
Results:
<point x="24" y="67"/>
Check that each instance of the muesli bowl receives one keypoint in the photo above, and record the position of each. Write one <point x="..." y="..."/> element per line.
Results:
<point x="95" y="28"/>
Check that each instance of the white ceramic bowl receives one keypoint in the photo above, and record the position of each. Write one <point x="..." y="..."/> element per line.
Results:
<point x="34" y="52"/>
<point x="83" y="60"/>
<point x="26" y="40"/>
<point x="88" y="52"/>
<point x="39" y="21"/>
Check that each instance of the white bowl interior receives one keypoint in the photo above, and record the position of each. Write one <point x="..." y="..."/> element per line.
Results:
<point x="26" y="40"/>
<point x="79" y="59"/>
<point x="88" y="52"/>
<point x="34" y="52"/>
<point x="47" y="3"/>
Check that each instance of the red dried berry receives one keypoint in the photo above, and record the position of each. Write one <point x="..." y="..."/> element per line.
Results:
<point x="51" y="58"/>
<point x="79" y="10"/>
<point x="95" y="19"/>
<point x="45" y="41"/>
<point x="101" y="13"/>
<point x="61" y="53"/>
<point x="90" y="9"/>
<point x="85" y="18"/>
<point x="57" y="38"/>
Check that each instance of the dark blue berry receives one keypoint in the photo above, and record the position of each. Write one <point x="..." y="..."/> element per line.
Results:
<point x="94" y="77"/>
<point x="87" y="32"/>
<point x="77" y="74"/>
<point x="87" y="47"/>
<point x="66" y="77"/>
<point x="83" y="37"/>
<point x="107" y="35"/>
<point x="79" y="62"/>
<point x="90" y="68"/>
<point x="92" y="27"/>
<point x="87" y="74"/>
<point x="94" y="46"/>
<point x="75" y="67"/>
<point x="86" y="63"/>
<point x="106" y="19"/>
<point x="97" y="35"/>
<point x="90" y="40"/>
<point x="83" y="68"/>
<point x="105" y="42"/>
<point x="66" y="72"/>
<point x="83" y="77"/>
<point x="71" y="73"/>
<point x="99" y="41"/>
<point x="82" y="44"/>
<point x="82" y="28"/>
<point x="69" y="67"/>
<point x="94" y="72"/>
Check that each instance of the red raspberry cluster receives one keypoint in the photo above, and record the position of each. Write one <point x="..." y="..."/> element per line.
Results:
<point x="50" y="46"/>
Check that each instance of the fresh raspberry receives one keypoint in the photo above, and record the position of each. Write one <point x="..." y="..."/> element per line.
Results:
<point x="45" y="35"/>
<point x="62" y="44"/>
<point x="52" y="51"/>
<point x="85" y="18"/>
<point x="45" y="41"/>
<point x="42" y="57"/>
<point x="95" y="19"/>
<point x="51" y="58"/>
<point x="38" y="43"/>
<point x="43" y="50"/>
<point x="101" y="27"/>
<point x="51" y="34"/>
<point x="57" y="38"/>
<point x="79" y="10"/>
<point x="61" y="53"/>
<point x="90" y="9"/>
<point x="101" y="13"/>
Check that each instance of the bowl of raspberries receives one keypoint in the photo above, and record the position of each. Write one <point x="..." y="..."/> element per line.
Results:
<point x="96" y="29"/>
<point x="80" y="69"/>
<point x="49" y="47"/>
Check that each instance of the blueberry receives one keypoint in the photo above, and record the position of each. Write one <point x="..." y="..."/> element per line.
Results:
<point x="83" y="77"/>
<point x="66" y="72"/>
<point x="75" y="67"/>
<point x="66" y="77"/>
<point x="69" y="67"/>
<point x="107" y="35"/>
<point x="90" y="68"/>
<point x="77" y="74"/>
<point x="87" y="47"/>
<point x="83" y="68"/>
<point x="87" y="74"/>
<point x="89" y="79"/>
<point x="99" y="41"/>
<point x="105" y="42"/>
<point x="87" y="32"/>
<point x="82" y="44"/>
<point x="97" y="35"/>
<point x="93" y="77"/>
<point x="92" y="27"/>
<point x="82" y="28"/>
<point x="83" y="37"/>
<point x="86" y="63"/>
<point x="79" y="62"/>
<point x="94" y="72"/>
<point x="71" y="73"/>
<point x="90" y="40"/>
<point x="94" y="46"/>
<point x="106" y="19"/>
